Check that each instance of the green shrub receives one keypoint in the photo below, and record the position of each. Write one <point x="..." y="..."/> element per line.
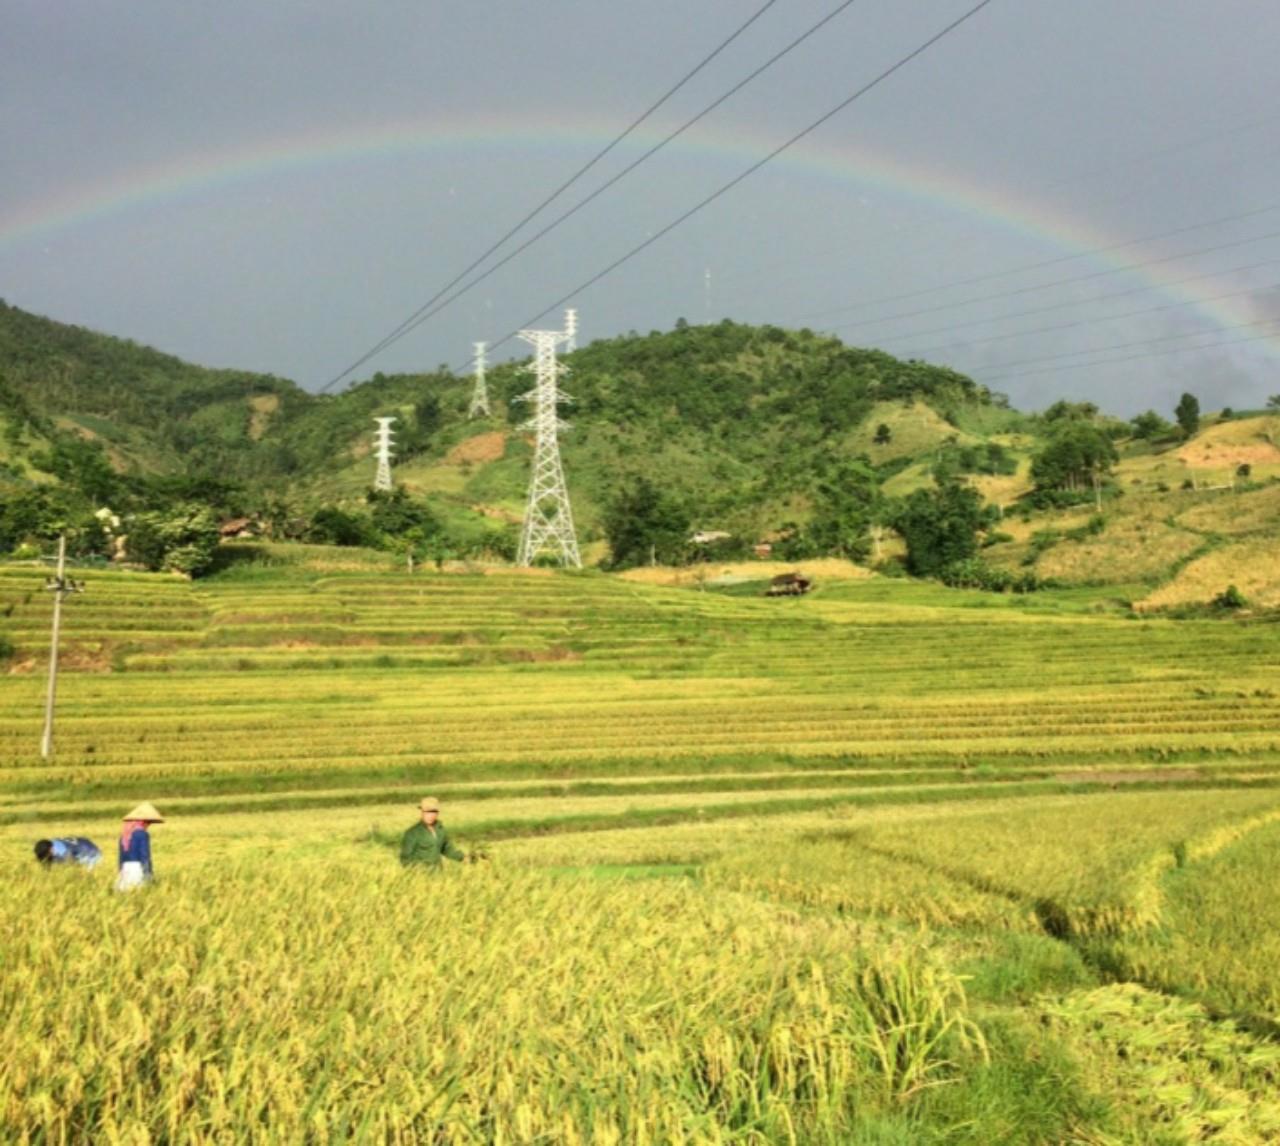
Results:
<point x="1091" y="528"/>
<point x="1041" y="541"/>
<point x="1230" y="598"/>
<point x="974" y="573"/>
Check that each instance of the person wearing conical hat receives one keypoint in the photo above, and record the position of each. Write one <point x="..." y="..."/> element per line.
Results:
<point x="135" y="847"/>
<point x="427" y="841"/>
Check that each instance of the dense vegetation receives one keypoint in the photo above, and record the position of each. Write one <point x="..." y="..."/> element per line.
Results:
<point x="733" y="434"/>
<point x="740" y="427"/>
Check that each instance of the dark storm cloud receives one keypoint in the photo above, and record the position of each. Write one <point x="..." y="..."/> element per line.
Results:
<point x="1034" y="132"/>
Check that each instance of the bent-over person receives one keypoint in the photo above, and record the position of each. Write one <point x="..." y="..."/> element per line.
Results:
<point x="427" y="841"/>
<point x="76" y="850"/>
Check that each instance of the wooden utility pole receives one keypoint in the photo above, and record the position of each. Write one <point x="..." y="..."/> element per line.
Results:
<point x="60" y="587"/>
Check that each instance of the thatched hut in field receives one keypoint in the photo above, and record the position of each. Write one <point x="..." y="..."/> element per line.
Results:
<point x="789" y="585"/>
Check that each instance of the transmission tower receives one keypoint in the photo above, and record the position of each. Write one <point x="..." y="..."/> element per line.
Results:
<point x="382" y="439"/>
<point x="570" y="330"/>
<point x="548" y="518"/>
<point x="479" y="407"/>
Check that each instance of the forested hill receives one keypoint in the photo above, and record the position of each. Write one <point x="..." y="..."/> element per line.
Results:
<point x="706" y="406"/>
<point x="150" y="411"/>
<point x="759" y="433"/>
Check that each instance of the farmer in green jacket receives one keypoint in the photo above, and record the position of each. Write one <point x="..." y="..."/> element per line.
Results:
<point x="427" y="840"/>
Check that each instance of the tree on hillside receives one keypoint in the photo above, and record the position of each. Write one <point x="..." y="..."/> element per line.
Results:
<point x="415" y="436"/>
<point x="1076" y="455"/>
<point x="282" y="516"/>
<point x="227" y="497"/>
<point x="31" y="515"/>
<point x="331" y="525"/>
<point x="847" y="502"/>
<point x="1064" y="411"/>
<point x="1273" y="403"/>
<point x="940" y="526"/>
<point x="953" y="459"/>
<point x="395" y="514"/>
<point x="1187" y="413"/>
<point x="183" y="539"/>
<point x="81" y="465"/>
<point x="645" y="524"/>
<point x="1150" y="426"/>
<point x="884" y="435"/>
<point x="407" y="526"/>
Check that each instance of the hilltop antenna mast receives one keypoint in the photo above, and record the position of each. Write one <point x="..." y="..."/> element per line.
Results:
<point x="548" y="518"/>
<point x="382" y="439"/>
<point x="479" y="407"/>
<point x="570" y="330"/>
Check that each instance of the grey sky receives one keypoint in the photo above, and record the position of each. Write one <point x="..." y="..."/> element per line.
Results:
<point x="275" y="186"/>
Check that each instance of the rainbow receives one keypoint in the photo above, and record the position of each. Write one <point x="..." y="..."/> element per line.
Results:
<point x="198" y="174"/>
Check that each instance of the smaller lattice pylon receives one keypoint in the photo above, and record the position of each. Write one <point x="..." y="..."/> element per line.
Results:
<point x="570" y="330"/>
<point x="479" y="407"/>
<point x="382" y="440"/>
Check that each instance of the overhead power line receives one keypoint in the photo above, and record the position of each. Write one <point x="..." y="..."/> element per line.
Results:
<point x="387" y="339"/>
<point x="900" y="63"/>
<point x="439" y="303"/>
<point x="949" y="327"/>
<point x="1016" y="291"/>
<point x="1019" y="365"/>
<point x="1133" y="357"/>
<point x="1025" y="267"/>
<point x="1008" y="335"/>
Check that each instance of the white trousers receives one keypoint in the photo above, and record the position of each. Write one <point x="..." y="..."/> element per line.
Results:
<point x="131" y="875"/>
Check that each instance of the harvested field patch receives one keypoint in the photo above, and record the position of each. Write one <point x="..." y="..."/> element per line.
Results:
<point x="1251" y="565"/>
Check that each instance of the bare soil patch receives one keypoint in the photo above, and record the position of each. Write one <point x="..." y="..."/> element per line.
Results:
<point x="482" y="448"/>
<point x="262" y="407"/>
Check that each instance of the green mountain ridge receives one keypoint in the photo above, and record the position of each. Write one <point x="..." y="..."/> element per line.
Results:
<point x="708" y="409"/>
<point x="743" y="424"/>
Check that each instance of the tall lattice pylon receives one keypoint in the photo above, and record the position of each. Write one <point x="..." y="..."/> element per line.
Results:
<point x="382" y="439"/>
<point x="570" y="330"/>
<point x="548" y="517"/>
<point x="479" y="407"/>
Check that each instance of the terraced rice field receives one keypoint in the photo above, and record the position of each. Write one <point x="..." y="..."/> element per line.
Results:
<point x="328" y="679"/>
<point x="907" y="865"/>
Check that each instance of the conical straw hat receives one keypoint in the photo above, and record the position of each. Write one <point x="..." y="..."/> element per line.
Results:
<point x="146" y="812"/>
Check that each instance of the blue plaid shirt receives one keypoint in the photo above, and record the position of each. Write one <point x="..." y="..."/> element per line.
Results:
<point x="75" y="849"/>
